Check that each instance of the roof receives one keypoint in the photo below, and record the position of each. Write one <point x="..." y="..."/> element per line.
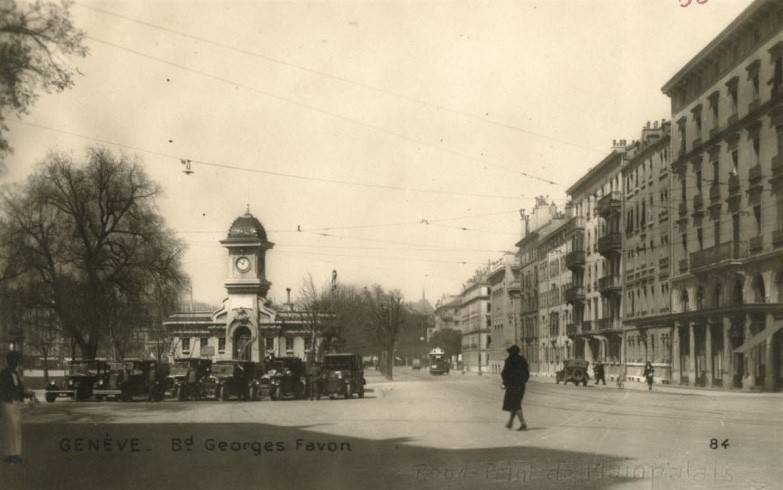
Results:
<point x="603" y="164"/>
<point x="247" y="226"/>
<point x="725" y="34"/>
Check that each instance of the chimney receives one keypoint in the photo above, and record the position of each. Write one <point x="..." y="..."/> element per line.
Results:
<point x="288" y="302"/>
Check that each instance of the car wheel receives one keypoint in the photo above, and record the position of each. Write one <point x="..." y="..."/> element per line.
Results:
<point x="180" y="393"/>
<point x="277" y="393"/>
<point x="51" y="397"/>
<point x="254" y="394"/>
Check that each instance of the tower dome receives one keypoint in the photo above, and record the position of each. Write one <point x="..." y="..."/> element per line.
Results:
<point x="247" y="226"/>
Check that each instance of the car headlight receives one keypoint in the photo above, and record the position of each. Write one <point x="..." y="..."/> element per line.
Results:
<point x="100" y="382"/>
<point x="70" y="382"/>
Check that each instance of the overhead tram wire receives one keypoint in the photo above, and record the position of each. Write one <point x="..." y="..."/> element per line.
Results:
<point x="271" y="59"/>
<point x="369" y="185"/>
<point x="315" y="109"/>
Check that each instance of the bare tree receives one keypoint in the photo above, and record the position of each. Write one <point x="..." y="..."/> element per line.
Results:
<point x="35" y="39"/>
<point x="387" y="312"/>
<point x="92" y="235"/>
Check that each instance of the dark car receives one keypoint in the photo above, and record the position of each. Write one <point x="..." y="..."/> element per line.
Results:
<point x="233" y="379"/>
<point x="186" y="378"/>
<point x="575" y="371"/>
<point x="144" y="378"/>
<point x="284" y="378"/>
<point x="83" y="380"/>
<point x="342" y="375"/>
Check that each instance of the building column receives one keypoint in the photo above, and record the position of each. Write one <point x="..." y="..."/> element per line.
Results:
<point x="676" y="374"/>
<point x="692" y="354"/>
<point x="770" y="369"/>
<point x="749" y="373"/>
<point x="728" y="356"/>
<point x="708" y="352"/>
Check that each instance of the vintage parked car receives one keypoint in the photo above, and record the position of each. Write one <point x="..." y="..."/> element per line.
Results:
<point x="233" y="379"/>
<point x="342" y="375"/>
<point x="284" y="378"/>
<point x="186" y="377"/>
<point x="83" y="379"/>
<point x="145" y="378"/>
<point x="575" y="371"/>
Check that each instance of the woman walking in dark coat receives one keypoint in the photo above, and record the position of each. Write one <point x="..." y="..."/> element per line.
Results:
<point x="649" y="372"/>
<point x="515" y="374"/>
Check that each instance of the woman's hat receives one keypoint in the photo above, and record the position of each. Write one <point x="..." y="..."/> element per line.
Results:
<point x="514" y="349"/>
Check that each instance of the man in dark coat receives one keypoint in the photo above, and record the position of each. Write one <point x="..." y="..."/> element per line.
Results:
<point x="598" y="371"/>
<point x="12" y="395"/>
<point x="515" y="375"/>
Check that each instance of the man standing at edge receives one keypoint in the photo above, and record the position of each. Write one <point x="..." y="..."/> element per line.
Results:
<point x="12" y="395"/>
<point x="515" y="375"/>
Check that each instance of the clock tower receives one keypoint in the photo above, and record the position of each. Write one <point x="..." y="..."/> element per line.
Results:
<point x="247" y="245"/>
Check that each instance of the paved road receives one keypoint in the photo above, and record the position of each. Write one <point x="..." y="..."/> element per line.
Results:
<point x="419" y="431"/>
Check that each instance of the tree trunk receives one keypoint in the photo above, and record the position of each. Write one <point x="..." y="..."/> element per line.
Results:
<point x="46" y="367"/>
<point x="390" y="363"/>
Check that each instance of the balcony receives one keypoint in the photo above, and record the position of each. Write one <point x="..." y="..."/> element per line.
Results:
<point x="663" y="216"/>
<point x="609" y="244"/>
<point x="578" y="223"/>
<point x="575" y="294"/>
<point x="715" y="193"/>
<point x="610" y="204"/>
<point x="570" y="329"/>
<point x="610" y="285"/>
<point x="683" y="266"/>
<point x="776" y="179"/>
<point x="698" y="204"/>
<point x="723" y="254"/>
<point x="777" y="238"/>
<point x="663" y="264"/>
<point x="755" y="244"/>
<point x="607" y="324"/>
<point x="575" y="260"/>
<point x="734" y="184"/>
<point x="754" y="173"/>
<point x="663" y="173"/>
<point x="683" y="209"/>
<point x="587" y="326"/>
<point x="514" y="287"/>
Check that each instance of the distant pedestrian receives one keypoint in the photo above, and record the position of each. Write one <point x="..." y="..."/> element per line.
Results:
<point x="621" y="376"/>
<point x="515" y="375"/>
<point x="598" y="371"/>
<point x="12" y="395"/>
<point x="649" y="372"/>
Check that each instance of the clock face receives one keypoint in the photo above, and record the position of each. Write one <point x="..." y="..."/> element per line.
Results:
<point x="243" y="264"/>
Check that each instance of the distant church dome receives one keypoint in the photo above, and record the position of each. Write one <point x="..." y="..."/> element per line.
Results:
<point x="247" y="226"/>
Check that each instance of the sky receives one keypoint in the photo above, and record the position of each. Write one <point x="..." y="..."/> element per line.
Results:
<point x="402" y="138"/>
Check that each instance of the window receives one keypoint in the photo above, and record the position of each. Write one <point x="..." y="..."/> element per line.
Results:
<point x="221" y="344"/>
<point x="779" y="205"/>
<point x="685" y="244"/>
<point x="203" y="342"/>
<point x="756" y="147"/>
<point x="289" y="344"/>
<point x="715" y="172"/>
<point x="186" y="344"/>
<point x="734" y="161"/>
<point x="698" y="180"/>
<point x="716" y="232"/>
<point x="700" y="238"/>
<point x="732" y="92"/>
<point x="757" y="215"/>
<point x="754" y="81"/>
<point x="682" y="189"/>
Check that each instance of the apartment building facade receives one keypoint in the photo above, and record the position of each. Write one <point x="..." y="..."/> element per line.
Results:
<point x="595" y="213"/>
<point x="503" y="280"/>
<point x="646" y="253"/>
<point x="474" y="322"/>
<point x="554" y="313"/>
<point x="727" y="289"/>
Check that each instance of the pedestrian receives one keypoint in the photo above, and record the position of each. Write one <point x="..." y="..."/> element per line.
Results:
<point x="515" y="374"/>
<point x="314" y="381"/>
<point x="598" y="371"/>
<point x="649" y="372"/>
<point x="621" y="376"/>
<point x="12" y="395"/>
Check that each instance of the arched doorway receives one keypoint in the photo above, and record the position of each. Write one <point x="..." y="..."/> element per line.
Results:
<point x="242" y="344"/>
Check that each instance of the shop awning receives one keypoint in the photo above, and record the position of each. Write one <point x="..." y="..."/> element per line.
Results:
<point x="757" y="339"/>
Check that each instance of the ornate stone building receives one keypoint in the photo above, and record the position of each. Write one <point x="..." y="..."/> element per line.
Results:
<point x="727" y="248"/>
<point x="247" y="325"/>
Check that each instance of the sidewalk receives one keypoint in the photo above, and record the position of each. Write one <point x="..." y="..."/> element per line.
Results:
<point x="664" y="388"/>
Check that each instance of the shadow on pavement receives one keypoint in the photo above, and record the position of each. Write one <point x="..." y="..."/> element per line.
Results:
<point x="191" y="456"/>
